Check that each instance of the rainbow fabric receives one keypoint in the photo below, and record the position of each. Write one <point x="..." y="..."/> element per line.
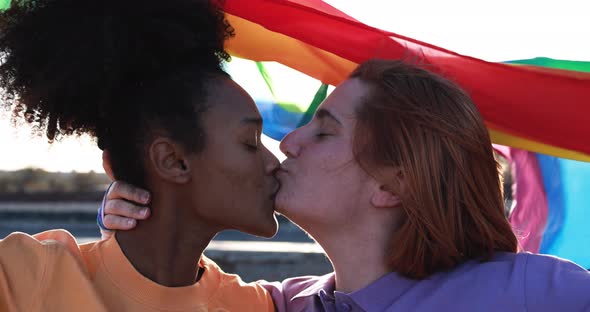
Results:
<point x="552" y="194"/>
<point x="550" y="116"/>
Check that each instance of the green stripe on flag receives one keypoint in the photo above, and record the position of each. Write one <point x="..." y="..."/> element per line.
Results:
<point x="4" y="4"/>
<point x="553" y="63"/>
<point x="319" y="97"/>
<point x="267" y="79"/>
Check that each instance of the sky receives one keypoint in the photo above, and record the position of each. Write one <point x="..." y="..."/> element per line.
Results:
<point x="491" y="30"/>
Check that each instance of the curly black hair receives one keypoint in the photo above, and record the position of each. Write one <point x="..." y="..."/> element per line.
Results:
<point x="114" y="69"/>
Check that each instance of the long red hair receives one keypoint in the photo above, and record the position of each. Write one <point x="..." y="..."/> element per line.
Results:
<point x="426" y="126"/>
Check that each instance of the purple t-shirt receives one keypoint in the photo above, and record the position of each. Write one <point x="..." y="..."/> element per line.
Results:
<point x="508" y="282"/>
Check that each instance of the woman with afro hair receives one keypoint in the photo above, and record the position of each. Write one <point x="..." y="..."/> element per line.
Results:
<point x="145" y="79"/>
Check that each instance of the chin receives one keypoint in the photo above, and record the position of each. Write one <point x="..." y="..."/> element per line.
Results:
<point x="266" y="228"/>
<point x="272" y="228"/>
<point x="281" y="204"/>
<point x="285" y="207"/>
<point x="270" y="233"/>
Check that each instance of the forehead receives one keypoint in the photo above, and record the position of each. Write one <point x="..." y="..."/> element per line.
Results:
<point x="346" y="97"/>
<point x="228" y="101"/>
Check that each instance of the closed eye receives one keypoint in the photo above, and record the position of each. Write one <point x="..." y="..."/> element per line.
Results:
<point x="251" y="147"/>
<point x="322" y="135"/>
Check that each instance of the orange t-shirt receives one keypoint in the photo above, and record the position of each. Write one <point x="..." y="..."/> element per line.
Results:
<point x="97" y="275"/>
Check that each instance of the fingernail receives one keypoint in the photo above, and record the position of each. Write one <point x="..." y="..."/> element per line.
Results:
<point x="144" y="212"/>
<point x="145" y="197"/>
<point x="131" y="222"/>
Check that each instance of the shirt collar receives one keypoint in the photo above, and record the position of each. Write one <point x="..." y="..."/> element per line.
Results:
<point x="377" y="296"/>
<point x="325" y="282"/>
<point x="133" y="284"/>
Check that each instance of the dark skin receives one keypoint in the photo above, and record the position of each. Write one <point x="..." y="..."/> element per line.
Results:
<point x="230" y="184"/>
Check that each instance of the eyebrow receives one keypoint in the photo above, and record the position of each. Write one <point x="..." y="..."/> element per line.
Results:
<point x="323" y="113"/>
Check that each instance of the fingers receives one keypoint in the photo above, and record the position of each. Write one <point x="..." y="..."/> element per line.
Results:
<point x="123" y="208"/>
<point x="122" y="190"/>
<point x="118" y="223"/>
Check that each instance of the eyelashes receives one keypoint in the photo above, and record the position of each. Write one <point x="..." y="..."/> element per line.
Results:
<point x="251" y="147"/>
<point x="322" y="135"/>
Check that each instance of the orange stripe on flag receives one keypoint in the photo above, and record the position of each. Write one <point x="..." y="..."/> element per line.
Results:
<point x="257" y="43"/>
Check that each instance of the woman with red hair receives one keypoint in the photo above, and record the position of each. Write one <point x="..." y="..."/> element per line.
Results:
<point x="396" y="179"/>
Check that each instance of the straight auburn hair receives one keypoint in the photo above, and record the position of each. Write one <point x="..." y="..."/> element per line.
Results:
<point x="428" y="128"/>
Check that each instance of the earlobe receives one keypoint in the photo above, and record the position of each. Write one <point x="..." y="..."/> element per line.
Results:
<point x="385" y="199"/>
<point x="390" y="183"/>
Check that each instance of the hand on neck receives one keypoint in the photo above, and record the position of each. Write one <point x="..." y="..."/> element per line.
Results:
<point x="167" y="247"/>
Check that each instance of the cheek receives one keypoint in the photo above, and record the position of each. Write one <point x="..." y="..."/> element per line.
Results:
<point x="230" y="187"/>
<point x="323" y="184"/>
<point x="324" y="173"/>
<point x="243" y="182"/>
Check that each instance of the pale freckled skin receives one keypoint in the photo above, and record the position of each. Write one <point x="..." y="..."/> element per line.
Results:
<point x="322" y="182"/>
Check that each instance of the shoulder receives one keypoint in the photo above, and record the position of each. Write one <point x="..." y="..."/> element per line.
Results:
<point x="551" y="264"/>
<point x="60" y="238"/>
<point x="250" y="295"/>
<point x="46" y="251"/>
<point x="502" y="268"/>
<point x="538" y="282"/>
<point x="542" y="268"/>
<point x="62" y="244"/>
<point x="301" y="285"/>
<point x="297" y="292"/>
<point x="497" y="282"/>
<point x="24" y="249"/>
<point x="555" y="283"/>
<point x="20" y="250"/>
<point x="27" y="264"/>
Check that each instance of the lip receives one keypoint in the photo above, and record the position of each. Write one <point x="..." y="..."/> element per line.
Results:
<point x="281" y="170"/>
<point x="282" y="167"/>
<point x="276" y="190"/>
<point x="279" y="173"/>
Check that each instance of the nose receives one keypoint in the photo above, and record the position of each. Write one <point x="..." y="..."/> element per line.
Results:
<point x="290" y="145"/>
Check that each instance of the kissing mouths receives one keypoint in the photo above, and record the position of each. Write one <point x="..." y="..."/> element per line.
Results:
<point x="276" y="190"/>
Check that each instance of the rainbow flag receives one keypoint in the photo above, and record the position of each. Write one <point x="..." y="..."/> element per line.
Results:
<point x="325" y="43"/>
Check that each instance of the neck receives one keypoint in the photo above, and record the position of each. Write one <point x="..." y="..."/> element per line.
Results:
<point x="359" y="252"/>
<point x="166" y="248"/>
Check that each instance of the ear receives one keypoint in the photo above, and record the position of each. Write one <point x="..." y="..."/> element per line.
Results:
<point x="168" y="160"/>
<point x="384" y="199"/>
<point x="106" y="165"/>
<point x="385" y="194"/>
